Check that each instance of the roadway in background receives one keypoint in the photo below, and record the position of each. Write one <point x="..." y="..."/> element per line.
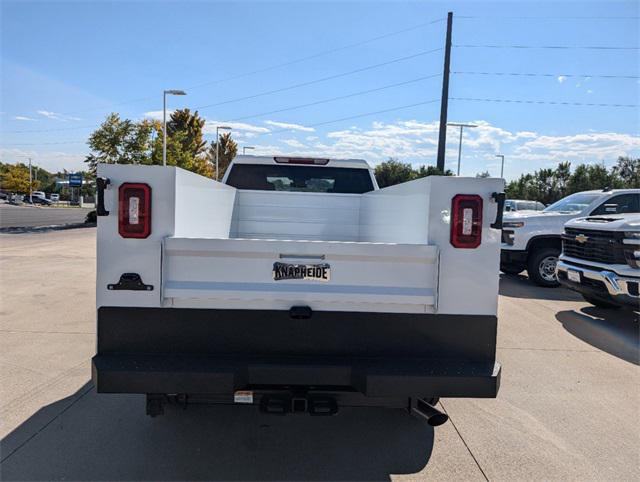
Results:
<point x="32" y="216"/>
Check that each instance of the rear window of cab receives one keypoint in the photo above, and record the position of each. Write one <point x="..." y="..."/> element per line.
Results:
<point x="291" y="178"/>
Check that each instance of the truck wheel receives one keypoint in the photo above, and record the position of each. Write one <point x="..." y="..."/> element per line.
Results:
<point x="541" y="267"/>
<point x="511" y="269"/>
<point x="600" y="303"/>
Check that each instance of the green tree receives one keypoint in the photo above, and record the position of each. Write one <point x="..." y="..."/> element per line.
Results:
<point x="15" y="178"/>
<point x="119" y="141"/>
<point x="392" y="172"/>
<point x="228" y="150"/>
<point x="627" y="170"/>
<point x="424" y="171"/>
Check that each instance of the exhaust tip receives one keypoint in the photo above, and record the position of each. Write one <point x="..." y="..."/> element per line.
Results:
<point x="437" y="420"/>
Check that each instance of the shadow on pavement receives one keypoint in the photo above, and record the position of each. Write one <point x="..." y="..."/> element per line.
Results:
<point x="108" y="437"/>
<point x="615" y="331"/>
<point x="519" y="286"/>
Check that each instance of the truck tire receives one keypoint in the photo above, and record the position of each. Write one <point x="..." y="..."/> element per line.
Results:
<point x="600" y="303"/>
<point x="511" y="269"/>
<point x="541" y="267"/>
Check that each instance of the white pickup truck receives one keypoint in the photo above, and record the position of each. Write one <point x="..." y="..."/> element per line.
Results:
<point x="297" y="285"/>
<point x="532" y="240"/>
<point x="601" y="259"/>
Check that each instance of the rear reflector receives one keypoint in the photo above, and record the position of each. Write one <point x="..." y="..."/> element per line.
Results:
<point x="134" y="210"/>
<point x="301" y="160"/>
<point x="466" y="221"/>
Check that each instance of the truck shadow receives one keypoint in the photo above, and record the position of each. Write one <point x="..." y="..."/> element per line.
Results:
<point x="108" y="437"/>
<point x="616" y="332"/>
<point x="519" y="286"/>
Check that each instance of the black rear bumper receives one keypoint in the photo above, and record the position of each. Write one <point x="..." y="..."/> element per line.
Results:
<point x="196" y="351"/>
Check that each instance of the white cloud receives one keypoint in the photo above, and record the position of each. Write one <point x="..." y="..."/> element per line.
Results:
<point x="210" y="127"/>
<point x="22" y="118"/>
<point x="52" y="161"/>
<point x="589" y="91"/>
<point x="289" y="126"/>
<point x="56" y="116"/>
<point x="293" y="143"/>
<point x="561" y="78"/>
<point x="241" y="129"/>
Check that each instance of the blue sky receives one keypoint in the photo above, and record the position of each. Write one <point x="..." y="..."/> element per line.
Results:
<point x="66" y="65"/>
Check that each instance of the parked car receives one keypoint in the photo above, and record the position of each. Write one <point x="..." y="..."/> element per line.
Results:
<point x="307" y="288"/>
<point x="37" y="200"/>
<point x="513" y="205"/>
<point x="54" y="197"/>
<point x="532" y="240"/>
<point x="39" y="194"/>
<point x="601" y="259"/>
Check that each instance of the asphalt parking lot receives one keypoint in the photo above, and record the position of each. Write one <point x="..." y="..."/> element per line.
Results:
<point x="568" y="408"/>
<point x="32" y="216"/>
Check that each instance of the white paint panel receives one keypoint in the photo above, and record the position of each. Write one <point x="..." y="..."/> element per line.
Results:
<point x="294" y="215"/>
<point x="396" y="214"/>
<point x="203" y="206"/>
<point x="215" y="271"/>
<point x="117" y="255"/>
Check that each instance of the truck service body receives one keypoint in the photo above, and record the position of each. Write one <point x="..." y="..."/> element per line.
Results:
<point x="296" y="284"/>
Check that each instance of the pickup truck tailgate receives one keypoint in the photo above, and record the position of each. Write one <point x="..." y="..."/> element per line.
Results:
<point x="238" y="273"/>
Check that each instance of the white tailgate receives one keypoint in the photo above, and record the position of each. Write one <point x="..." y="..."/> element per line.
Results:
<point x="237" y="273"/>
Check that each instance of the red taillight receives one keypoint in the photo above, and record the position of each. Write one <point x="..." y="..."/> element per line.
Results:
<point x="466" y="221"/>
<point x="134" y="210"/>
<point x="301" y="160"/>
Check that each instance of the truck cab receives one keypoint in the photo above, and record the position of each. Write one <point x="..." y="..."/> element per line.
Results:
<point x="532" y="240"/>
<point x="296" y="285"/>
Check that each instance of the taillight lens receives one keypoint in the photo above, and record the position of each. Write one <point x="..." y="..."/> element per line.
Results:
<point x="466" y="221"/>
<point x="134" y="210"/>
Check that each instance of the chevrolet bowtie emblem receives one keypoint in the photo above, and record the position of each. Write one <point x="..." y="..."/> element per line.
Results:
<point x="581" y="238"/>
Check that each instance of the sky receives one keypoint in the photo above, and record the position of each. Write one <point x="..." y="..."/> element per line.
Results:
<point x="329" y="79"/>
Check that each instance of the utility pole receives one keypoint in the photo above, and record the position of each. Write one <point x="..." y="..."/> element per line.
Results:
<point x="30" y="183"/>
<point x="444" y="100"/>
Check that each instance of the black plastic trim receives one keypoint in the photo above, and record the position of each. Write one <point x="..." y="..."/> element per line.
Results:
<point x="170" y="350"/>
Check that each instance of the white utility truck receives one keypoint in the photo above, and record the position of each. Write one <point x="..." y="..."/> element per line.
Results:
<point x="532" y="240"/>
<point x="296" y="285"/>
<point x="601" y="259"/>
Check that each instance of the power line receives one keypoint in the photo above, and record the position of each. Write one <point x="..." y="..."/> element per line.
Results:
<point x="320" y="54"/>
<point x="333" y="99"/>
<point x="279" y="65"/>
<point x="318" y="124"/>
<point x="474" y="17"/>
<point x="357" y="116"/>
<point x="531" y="74"/>
<point x="550" y="102"/>
<point x="282" y="89"/>
<point x="322" y="79"/>
<point x="56" y="129"/>
<point x="558" y="47"/>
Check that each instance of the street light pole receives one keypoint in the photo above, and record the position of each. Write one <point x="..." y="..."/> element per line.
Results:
<point x="218" y="147"/>
<point x="501" y="164"/>
<point x="462" y="126"/>
<point x="30" y="184"/>
<point x="244" y="149"/>
<point x="164" y="120"/>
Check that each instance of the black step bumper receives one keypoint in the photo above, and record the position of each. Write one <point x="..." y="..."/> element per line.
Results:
<point x="194" y="351"/>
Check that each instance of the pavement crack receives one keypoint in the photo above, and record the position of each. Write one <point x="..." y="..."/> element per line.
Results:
<point x="49" y="332"/>
<point x="47" y="424"/>
<point x="465" y="443"/>
<point x="547" y="349"/>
